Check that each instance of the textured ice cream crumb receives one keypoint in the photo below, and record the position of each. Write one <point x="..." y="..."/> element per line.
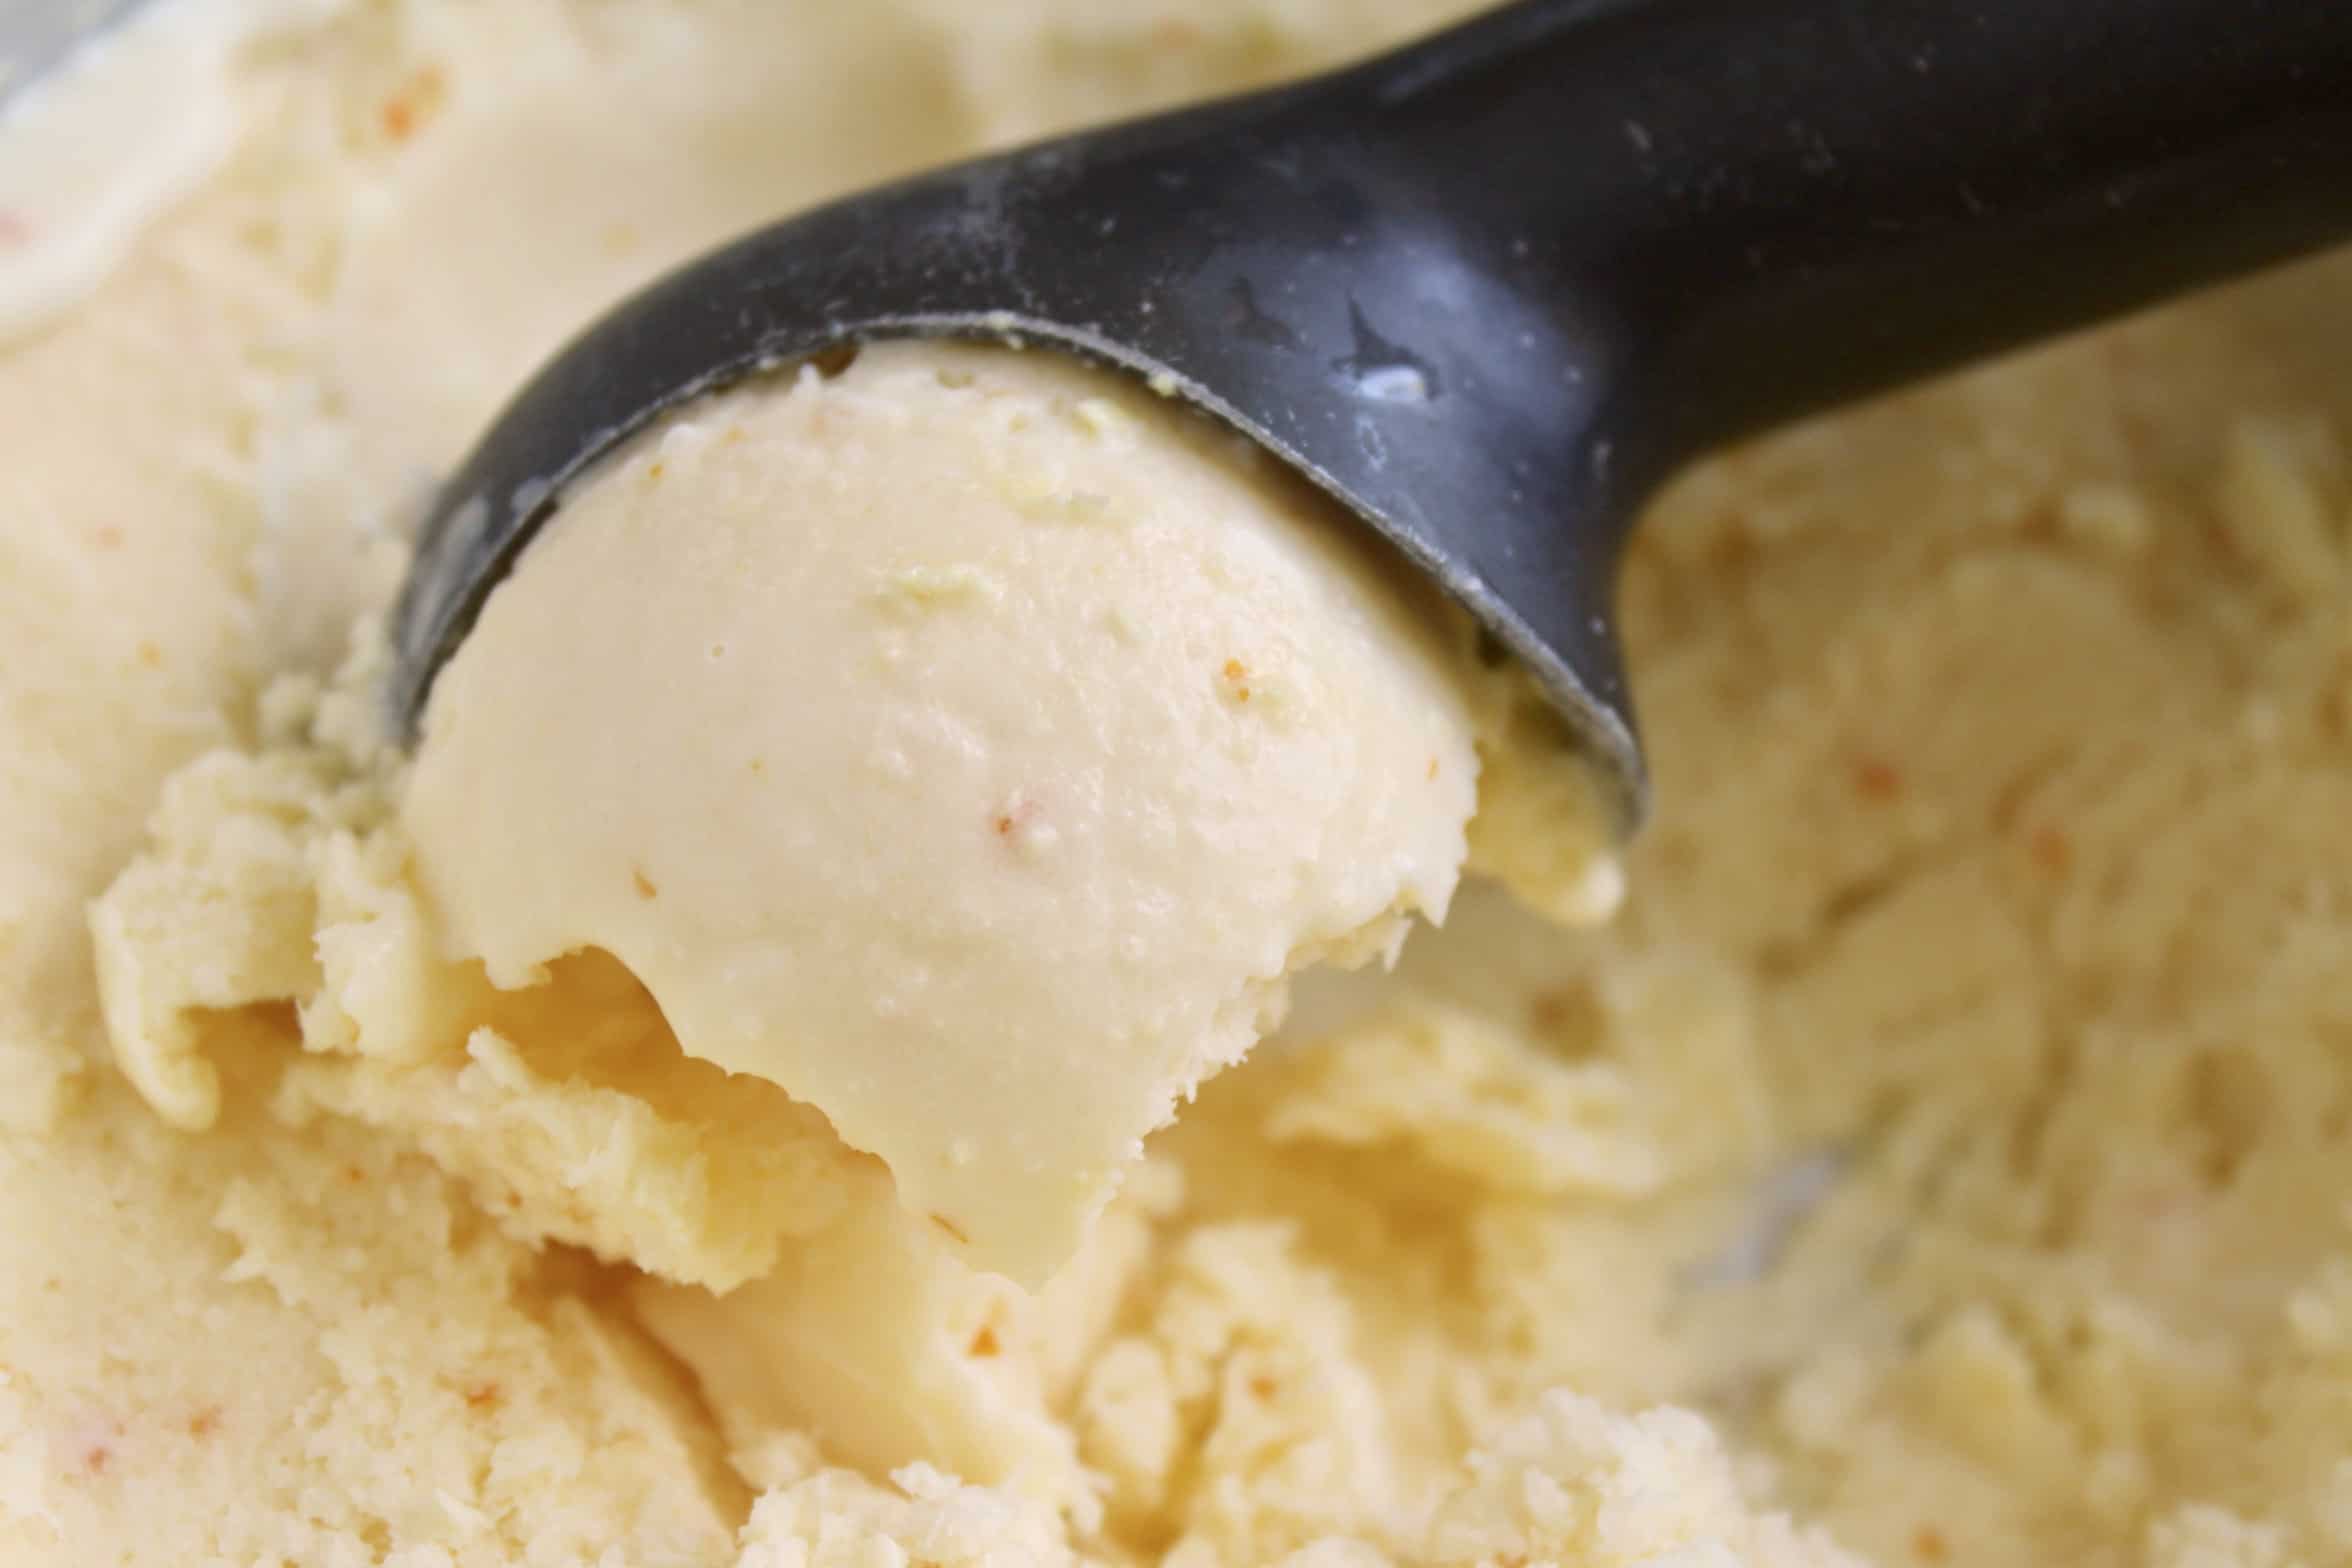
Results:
<point x="349" y="1357"/>
<point x="1546" y="827"/>
<point x="567" y="1107"/>
<point x="839" y="1519"/>
<point x="1473" y="1099"/>
<point x="1574" y="1483"/>
<point x="925" y="1359"/>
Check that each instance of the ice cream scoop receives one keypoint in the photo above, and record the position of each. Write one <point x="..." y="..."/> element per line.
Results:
<point x="1489" y="289"/>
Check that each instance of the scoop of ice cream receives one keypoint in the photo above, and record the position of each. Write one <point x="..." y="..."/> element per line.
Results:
<point x="968" y="743"/>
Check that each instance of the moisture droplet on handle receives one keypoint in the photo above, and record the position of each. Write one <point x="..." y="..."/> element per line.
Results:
<point x="1394" y="384"/>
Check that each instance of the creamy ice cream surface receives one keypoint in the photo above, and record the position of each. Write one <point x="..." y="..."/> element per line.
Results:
<point x="961" y="743"/>
<point x="1940" y="1158"/>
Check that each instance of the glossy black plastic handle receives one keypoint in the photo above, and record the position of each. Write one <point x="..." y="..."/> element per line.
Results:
<point x="1487" y="290"/>
<point x="1761" y="208"/>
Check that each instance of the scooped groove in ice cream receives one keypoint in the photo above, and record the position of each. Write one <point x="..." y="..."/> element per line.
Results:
<point x="968" y="743"/>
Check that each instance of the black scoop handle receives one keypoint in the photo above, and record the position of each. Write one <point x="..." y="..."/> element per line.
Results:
<point x="1487" y="290"/>
<point x="1769" y="207"/>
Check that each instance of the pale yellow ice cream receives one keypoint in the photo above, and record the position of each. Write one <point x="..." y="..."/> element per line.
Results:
<point x="1942" y="1159"/>
<point x="961" y="743"/>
